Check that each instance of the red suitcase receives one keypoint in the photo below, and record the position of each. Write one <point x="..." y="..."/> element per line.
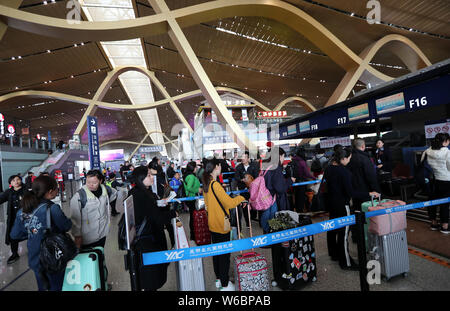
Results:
<point x="201" y="229"/>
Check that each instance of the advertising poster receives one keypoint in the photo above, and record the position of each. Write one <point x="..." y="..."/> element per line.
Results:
<point x="391" y="103"/>
<point x="358" y="112"/>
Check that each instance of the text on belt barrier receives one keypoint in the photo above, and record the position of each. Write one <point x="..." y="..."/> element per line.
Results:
<point x="152" y="258"/>
<point x="242" y="191"/>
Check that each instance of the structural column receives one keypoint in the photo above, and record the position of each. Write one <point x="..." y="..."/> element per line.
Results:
<point x="198" y="73"/>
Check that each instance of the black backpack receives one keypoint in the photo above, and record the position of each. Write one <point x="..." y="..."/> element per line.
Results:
<point x="57" y="249"/>
<point x="122" y="232"/>
<point x="316" y="165"/>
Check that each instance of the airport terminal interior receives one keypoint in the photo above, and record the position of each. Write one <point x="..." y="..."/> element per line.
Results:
<point x="166" y="86"/>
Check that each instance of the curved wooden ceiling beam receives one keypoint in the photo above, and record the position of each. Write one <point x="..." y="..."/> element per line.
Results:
<point x="279" y="11"/>
<point x="135" y="143"/>
<point x="111" y="77"/>
<point x="402" y="47"/>
<point x="303" y="102"/>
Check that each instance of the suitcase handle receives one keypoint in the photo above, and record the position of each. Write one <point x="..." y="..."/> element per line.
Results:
<point x="372" y="198"/>
<point x="237" y="221"/>
<point x="249" y="254"/>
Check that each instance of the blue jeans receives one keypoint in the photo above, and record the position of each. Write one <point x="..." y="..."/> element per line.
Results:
<point x="267" y="215"/>
<point x="55" y="281"/>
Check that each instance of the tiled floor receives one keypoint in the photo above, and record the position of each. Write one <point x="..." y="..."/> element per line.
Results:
<point x="424" y="275"/>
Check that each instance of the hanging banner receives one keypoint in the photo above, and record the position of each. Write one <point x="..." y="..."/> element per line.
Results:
<point x="333" y="141"/>
<point x="244" y="114"/>
<point x="94" y="148"/>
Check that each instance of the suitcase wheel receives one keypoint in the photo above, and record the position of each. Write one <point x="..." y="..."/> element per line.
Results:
<point x="93" y="257"/>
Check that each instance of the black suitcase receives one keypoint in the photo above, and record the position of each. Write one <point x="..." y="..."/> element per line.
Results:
<point x="294" y="262"/>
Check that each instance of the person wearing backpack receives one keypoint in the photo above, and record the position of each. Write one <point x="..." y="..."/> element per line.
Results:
<point x="31" y="224"/>
<point x="191" y="187"/>
<point x="319" y="162"/>
<point x="277" y="185"/>
<point x="90" y="212"/>
<point x="219" y="204"/>
<point x="301" y="173"/>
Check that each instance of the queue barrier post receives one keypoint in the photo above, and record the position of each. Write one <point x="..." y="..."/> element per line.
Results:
<point x="360" y="219"/>
<point x="130" y="264"/>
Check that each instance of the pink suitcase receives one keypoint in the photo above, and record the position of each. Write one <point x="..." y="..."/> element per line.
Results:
<point x="389" y="223"/>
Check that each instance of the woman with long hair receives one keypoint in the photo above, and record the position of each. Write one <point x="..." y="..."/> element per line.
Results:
<point x="153" y="218"/>
<point x="219" y="204"/>
<point x="339" y="192"/>
<point x="438" y="157"/>
<point x="31" y="223"/>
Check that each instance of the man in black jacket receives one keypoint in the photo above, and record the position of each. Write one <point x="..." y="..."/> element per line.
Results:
<point x="245" y="168"/>
<point x="364" y="176"/>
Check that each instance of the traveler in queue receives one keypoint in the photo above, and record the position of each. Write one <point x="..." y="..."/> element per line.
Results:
<point x="339" y="192"/>
<point x="438" y="157"/>
<point x="13" y="196"/>
<point x="301" y="173"/>
<point x="91" y="221"/>
<point x="364" y="176"/>
<point x="277" y="184"/>
<point x="192" y="188"/>
<point x="152" y="238"/>
<point x="218" y="202"/>
<point x="245" y="167"/>
<point x="31" y="223"/>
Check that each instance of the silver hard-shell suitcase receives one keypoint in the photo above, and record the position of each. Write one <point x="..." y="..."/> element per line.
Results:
<point x="391" y="250"/>
<point x="190" y="275"/>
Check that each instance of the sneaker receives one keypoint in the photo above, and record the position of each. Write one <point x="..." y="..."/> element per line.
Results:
<point x="435" y="227"/>
<point x="445" y="231"/>
<point x="13" y="259"/>
<point x="218" y="284"/>
<point x="229" y="288"/>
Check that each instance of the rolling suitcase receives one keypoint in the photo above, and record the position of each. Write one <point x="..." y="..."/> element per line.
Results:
<point x="86" y="272"/>
<point x="201" y="228"/>
<point x="251" y="269"/>
<point x="383" y="224"/>
<point x="190" y="275"/>
<point x="391" y="251"/>
<point x="294" y="262"/>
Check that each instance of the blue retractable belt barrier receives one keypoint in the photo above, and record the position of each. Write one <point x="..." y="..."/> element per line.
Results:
<point x="272" y="238"/>
<point x="242" y="191"/>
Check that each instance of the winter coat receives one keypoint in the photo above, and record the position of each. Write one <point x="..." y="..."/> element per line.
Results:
<point x="364" y="177"/>
<point x="153" y="238"/>
<point x="92" y="221"/>
<point x="32" y="227"/>
<point x="439" y="160"/>
<point x="277" y="184"/>
<point x="13" y="198"/>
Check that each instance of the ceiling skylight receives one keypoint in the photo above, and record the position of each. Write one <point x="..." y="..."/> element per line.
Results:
<point x="127" y="53"/>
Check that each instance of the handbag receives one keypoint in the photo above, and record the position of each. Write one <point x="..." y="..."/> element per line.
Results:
<point x="226" y="223"/>
<point x="57" y="249"/>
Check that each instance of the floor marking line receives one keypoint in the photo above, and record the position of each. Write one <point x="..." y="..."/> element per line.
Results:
<point x="429" y="257"/>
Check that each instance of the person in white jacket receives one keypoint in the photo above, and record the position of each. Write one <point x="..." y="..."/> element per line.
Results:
<point x="438" y="157"/>
<point x="91" y="218"/>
